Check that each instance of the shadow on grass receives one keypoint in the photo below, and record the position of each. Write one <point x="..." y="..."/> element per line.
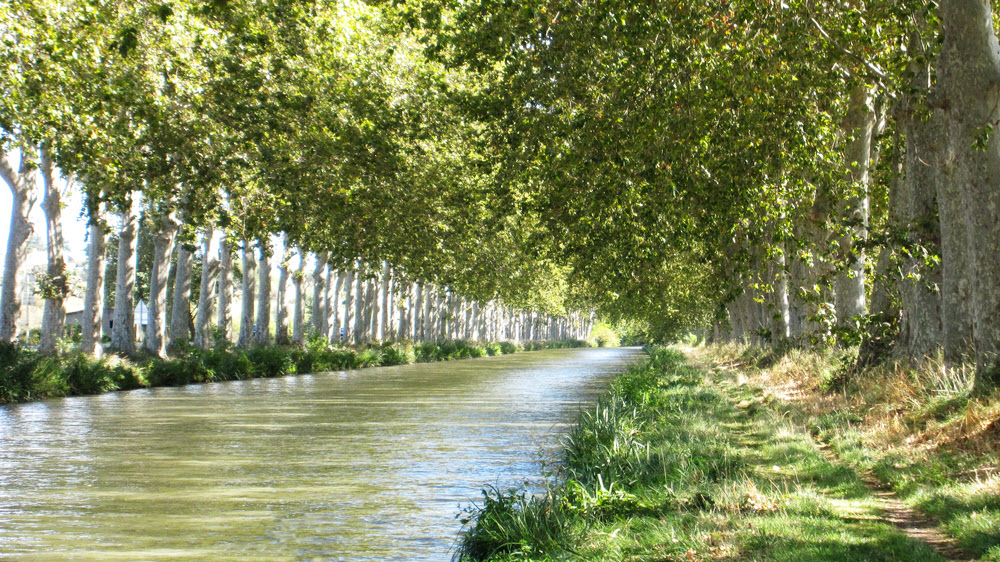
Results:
<point x="851" y="539"/>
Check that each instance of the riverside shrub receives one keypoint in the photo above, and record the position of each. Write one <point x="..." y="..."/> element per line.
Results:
<point x="25" y="375"/>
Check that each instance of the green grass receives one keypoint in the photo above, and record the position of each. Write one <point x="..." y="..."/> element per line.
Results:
<point x="674" y="465"/>
<point x="917" y="429"/>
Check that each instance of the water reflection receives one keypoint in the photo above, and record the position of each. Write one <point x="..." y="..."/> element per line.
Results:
<point x="354" y="465"/>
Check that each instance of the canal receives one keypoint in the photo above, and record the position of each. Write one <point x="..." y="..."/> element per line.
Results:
<point x="356" y="465"/>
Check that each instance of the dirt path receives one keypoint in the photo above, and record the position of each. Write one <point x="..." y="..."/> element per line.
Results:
<point x="913" y="523"/>
<point x="916" y="525"/>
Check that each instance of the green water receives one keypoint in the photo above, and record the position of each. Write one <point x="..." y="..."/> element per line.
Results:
<point x="356" y="465"/>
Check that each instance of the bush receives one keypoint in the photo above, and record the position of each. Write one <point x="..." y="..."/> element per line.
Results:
<point x="47" y="379"/>
<point x="25" y="375"/>
<point x="428" y="352"/>
<point x="177" y="372"/>
<point x="397" y="354"/>
<point x="371" y="357"/>
<point x="270" y="362"/>
<point x="85" y="375"/>
<point x="16" y="366"/>
<point x="222" y="365"/>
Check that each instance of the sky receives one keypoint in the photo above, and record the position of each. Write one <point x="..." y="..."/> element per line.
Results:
<point x="74" y="226"/>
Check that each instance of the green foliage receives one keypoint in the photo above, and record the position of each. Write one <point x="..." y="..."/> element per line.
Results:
<point x="603" y="504"/>
<point x="603" y="335"/>
<point x="513" y="524"/>
<point x="270" y="362"/>
<point x="16" y="365"/>
<point x="177" y="372"/>
<point x="398" y="354"/>
<point x="226" y="365"/>
<point x="86" y="375"/>
<point x="24" y="375"/>
<point x="47" y="378"/>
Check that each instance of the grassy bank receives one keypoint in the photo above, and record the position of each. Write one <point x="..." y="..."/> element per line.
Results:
<point x="678" y="462"/>
<point x="918" y="430"/>
<point x="25" y="375"/>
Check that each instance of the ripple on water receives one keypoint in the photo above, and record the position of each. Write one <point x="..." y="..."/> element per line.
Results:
<point x="355" y="465"/>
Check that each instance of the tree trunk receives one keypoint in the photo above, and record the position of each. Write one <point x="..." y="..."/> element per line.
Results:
<point x="248" y="290"/>
<point x="333" y="306"/>
<point x="123" y="325"/>
<point x="778" y="298"/>
<point x="913" y="202"/>
<point x="93" y="300"/>
<point x="281" y="332"/>
<point x="57" y="285"/>
<point x="209" y="273"/>
<point x="371" y="308"/>
<point x="225" y="297"/>
<point x="384" y="298"/>
<point x="349" y="297"/>
<point x="359" y="306"/>
<point x="163" y="247"/>
<point x="859" y="126"/>
<point x="262" y="328"/>
<point x="22" y="189"/>
<point x="319" y="292"/>
<point x="418" y="312"/>
<point x="811" y="271"/>
<point x="180" y="311"/>
<point x="969" y="90"/>
<point x="298" y="321"/>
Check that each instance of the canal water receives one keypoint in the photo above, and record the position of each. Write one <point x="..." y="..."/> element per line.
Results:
<point x="356" y="465"/>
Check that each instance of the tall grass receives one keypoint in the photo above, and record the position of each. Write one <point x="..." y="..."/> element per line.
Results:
<point x="641" y="435"/>
<point x="676" y="463"/>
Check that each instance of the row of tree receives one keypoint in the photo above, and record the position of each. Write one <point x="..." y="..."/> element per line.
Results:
<point x="324" y="123"/>
<point x="801" y="170"/>
<point x="804" y="169"/>
<point x="360" y="305"/>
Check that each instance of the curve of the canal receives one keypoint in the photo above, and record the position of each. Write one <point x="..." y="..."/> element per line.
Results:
<point x="355" y="465"/>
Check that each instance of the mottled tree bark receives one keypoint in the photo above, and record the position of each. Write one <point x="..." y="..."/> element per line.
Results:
<point x="849" y="283"/>
<point x="209" y="273"/>
<point x="778" y="298"/>
<point x="298" y="321"/>
<point x="333" y="306"/>
<point x="281" y="331"/>
<point x="248" y="290"/>
<point x="225" y="298"/>
<point x="418" y="312"/>
<point x="54" y="313"/>
<point x="914" y="204"/>
<point x="180" y="312"/>
<point x="319" y="294"/>
<point x="349" y="306"/>
<point x="93" y="300"/>
<point x="22" y="189"/>
<point x="123" y="325"/>
<point x="262" y="327"/>
<point x="969" y="88"/>
<point x="163" y="247"/>
<point x="359" y="306"/>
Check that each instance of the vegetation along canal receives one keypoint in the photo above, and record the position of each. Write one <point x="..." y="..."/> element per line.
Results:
<point x="368" y="464"/>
